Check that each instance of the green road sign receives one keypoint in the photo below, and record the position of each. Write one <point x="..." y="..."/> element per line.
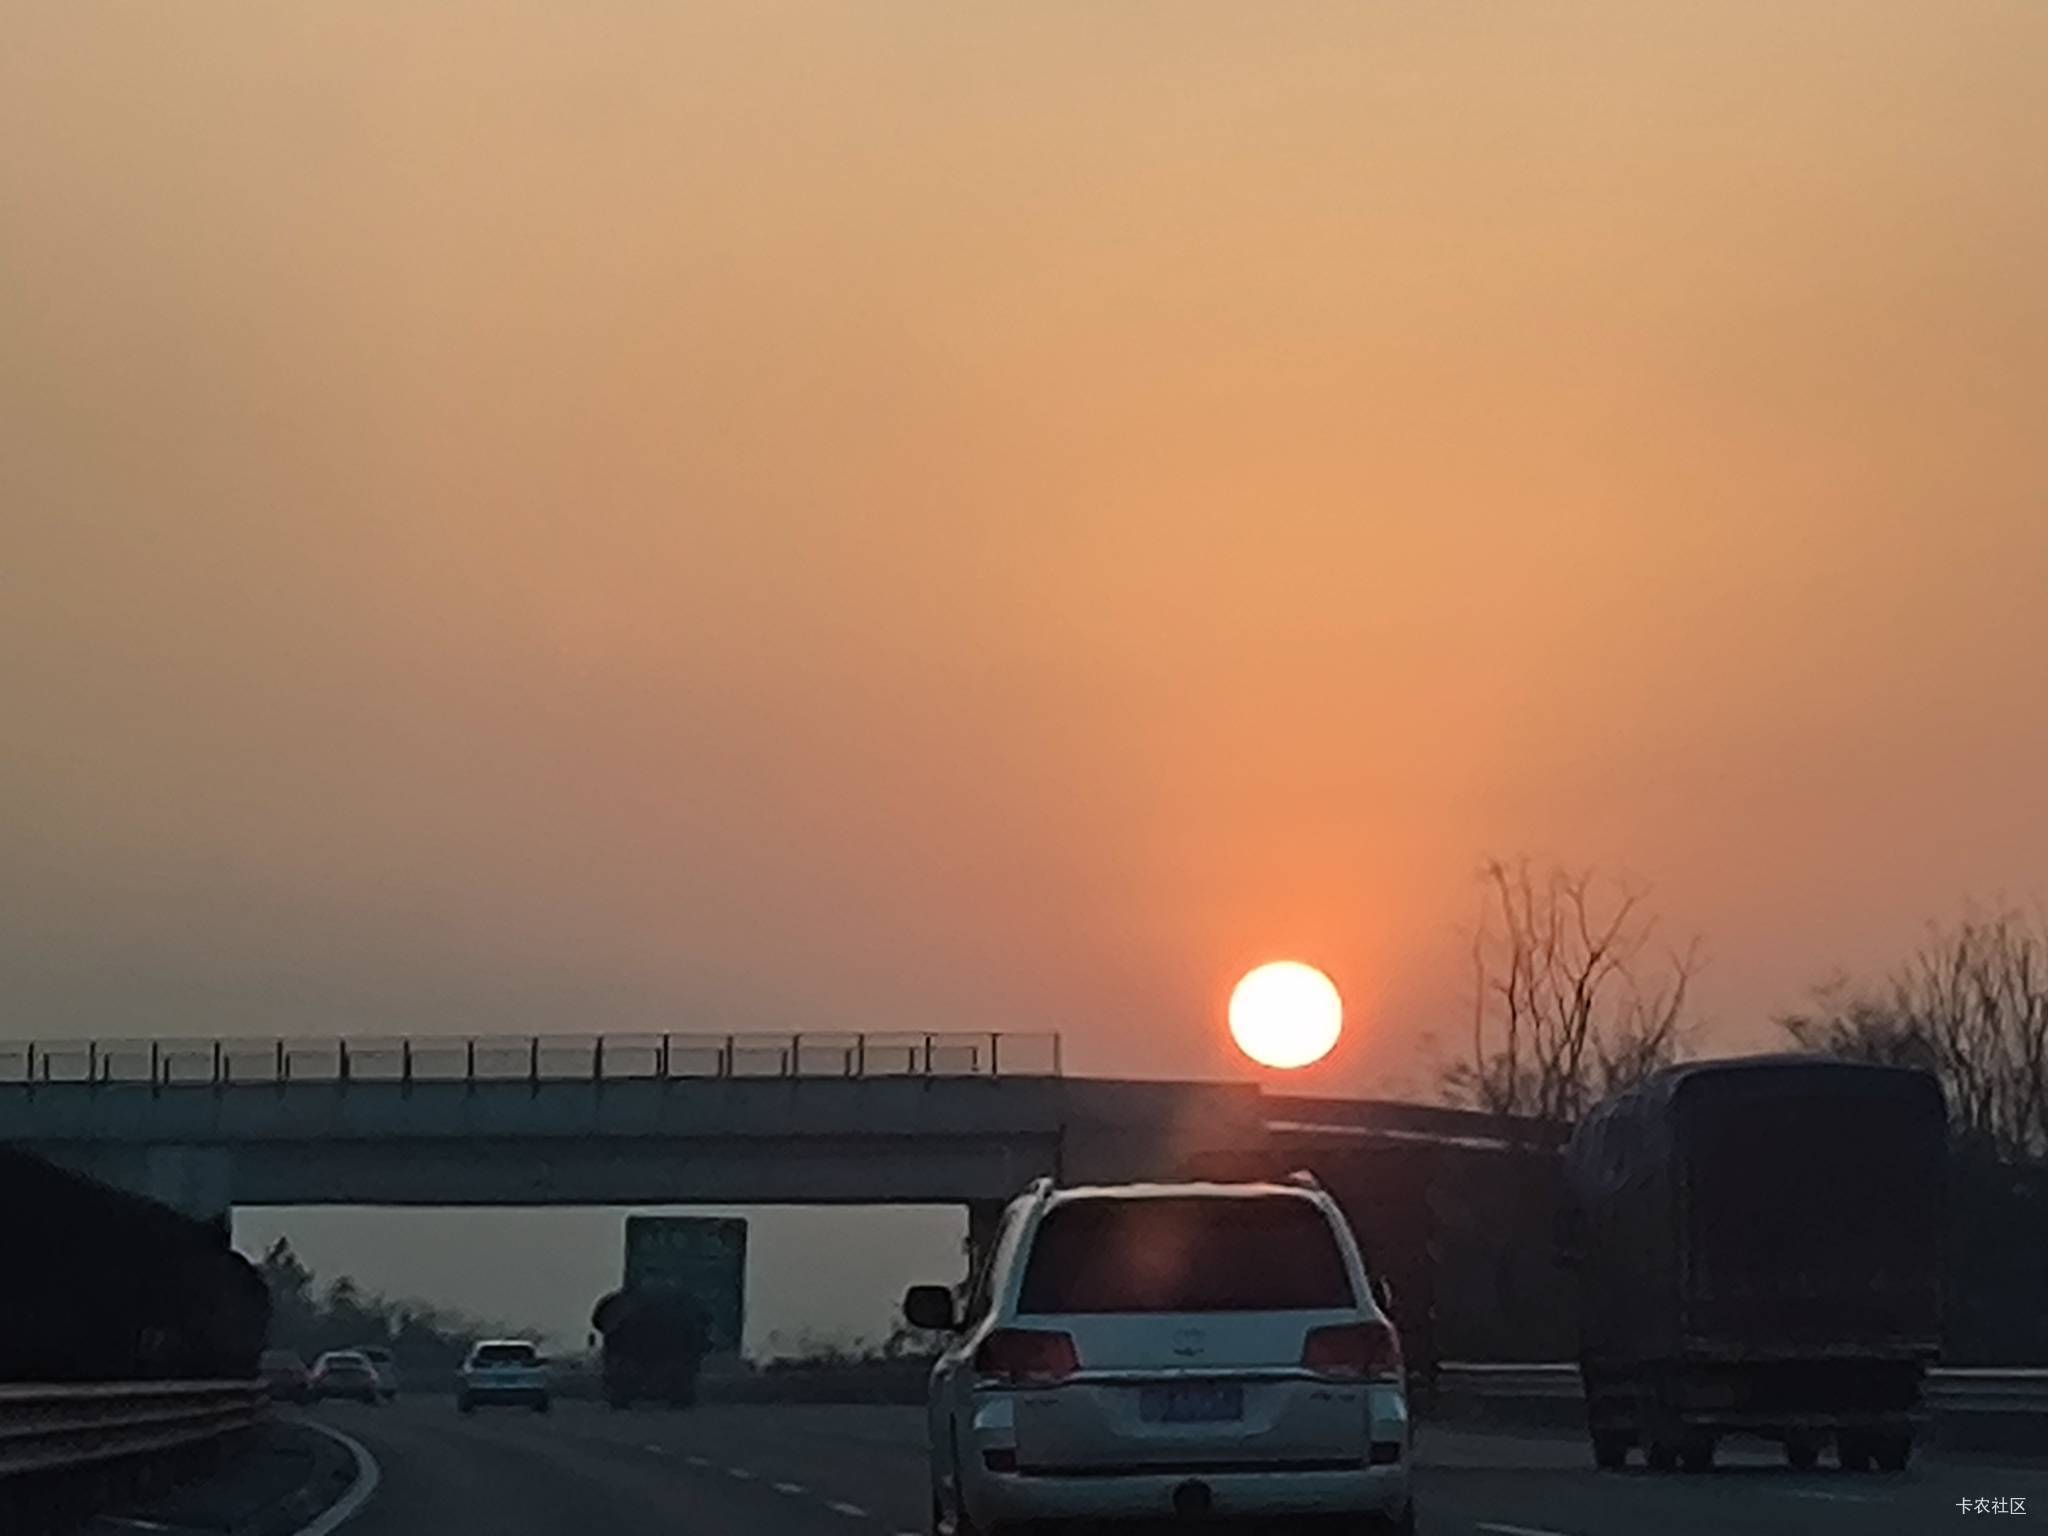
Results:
<point x="704" y="1255"/>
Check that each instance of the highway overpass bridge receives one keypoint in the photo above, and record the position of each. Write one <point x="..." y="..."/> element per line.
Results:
<point x="645" y="1119"/>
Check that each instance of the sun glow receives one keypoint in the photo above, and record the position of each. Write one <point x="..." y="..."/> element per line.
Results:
<point x="1286" y="1014"/>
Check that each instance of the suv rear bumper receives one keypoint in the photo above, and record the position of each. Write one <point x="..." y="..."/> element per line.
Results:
<point x="994" y="1496"/>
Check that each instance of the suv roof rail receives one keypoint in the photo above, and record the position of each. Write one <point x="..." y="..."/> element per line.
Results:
<point x="1302" y="1178"/>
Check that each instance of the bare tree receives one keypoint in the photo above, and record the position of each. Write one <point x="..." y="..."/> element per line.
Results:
<point x="1971" y="1006"/>
<point x="1569" y="1002"/>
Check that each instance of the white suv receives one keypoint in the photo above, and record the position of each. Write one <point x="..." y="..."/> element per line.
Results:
<point x="503" y="1371"/>
<point x="1167" y="1349"/>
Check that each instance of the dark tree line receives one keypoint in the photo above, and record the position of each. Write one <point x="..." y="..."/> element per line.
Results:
<point x="309" y="1318"/>
<point x="1573" y="999"/>
<point x="1970" y="1006"/>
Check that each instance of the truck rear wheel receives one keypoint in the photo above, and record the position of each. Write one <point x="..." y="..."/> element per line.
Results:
<point x="1697" y="1455"/>
<point x="1891" y="1452"/>
<point x="1801" y="1454"/>
<point x="1662" y="1456"/>
<point x="1610" y="1449"/>
<point x="1853" y="1451"/>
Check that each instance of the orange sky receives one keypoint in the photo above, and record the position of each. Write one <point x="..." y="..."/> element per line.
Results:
<point x="561" y="516"/>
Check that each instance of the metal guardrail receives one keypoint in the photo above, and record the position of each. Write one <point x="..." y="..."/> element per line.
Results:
<point x="54" y="1428"/>
<point x="527" y="1058"/>
<point x="1956" y="1389"/>
<point x="1989" y="1389"/>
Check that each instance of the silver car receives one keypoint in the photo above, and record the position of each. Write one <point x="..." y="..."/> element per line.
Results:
<point x="386" y="1369"/>
<point x="344" y="1373"/>
<point x="1167" y="1350"/>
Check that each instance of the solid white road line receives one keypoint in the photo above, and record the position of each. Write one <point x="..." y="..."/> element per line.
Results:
<point x="359" y="1491"/>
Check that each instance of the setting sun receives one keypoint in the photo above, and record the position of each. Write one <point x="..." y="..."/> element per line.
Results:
<point x="1286" y="1014"/>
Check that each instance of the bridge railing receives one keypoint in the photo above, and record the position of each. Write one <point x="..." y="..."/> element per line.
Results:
<point x="166" y="1063"/>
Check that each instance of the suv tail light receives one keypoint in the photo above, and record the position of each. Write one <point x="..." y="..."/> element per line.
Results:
<point x="1027" y="1355"/>
<point x="1354" y="1351"/>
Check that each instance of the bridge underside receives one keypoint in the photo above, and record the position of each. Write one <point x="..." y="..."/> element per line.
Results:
<point x="820" y="1170"/>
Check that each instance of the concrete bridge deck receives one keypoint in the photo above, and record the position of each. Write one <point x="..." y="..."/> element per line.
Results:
<point x="628" y="1120"/>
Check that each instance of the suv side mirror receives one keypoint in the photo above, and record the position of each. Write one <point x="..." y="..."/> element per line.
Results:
<point x="1383" y="1293"/>
<point x="929" y="1306"/>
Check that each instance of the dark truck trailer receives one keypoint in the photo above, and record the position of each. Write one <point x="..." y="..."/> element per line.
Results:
<point x="1758" y="1250"/>
<point x="100" y="1285"/>
<point x="654" y="1345"/>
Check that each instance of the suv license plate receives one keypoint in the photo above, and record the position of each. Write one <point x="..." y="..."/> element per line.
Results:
<point x="1208" y="1403"/>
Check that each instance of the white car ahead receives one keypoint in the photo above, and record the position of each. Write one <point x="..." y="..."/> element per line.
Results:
<point x="386" y="1369"/>
<point x="344" y="1373"/>
<point x="1167" y="1350"/>
<point x="509" y="1371"/>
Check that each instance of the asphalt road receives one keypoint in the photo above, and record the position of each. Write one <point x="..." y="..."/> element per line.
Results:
<point x="854" y="1471"/>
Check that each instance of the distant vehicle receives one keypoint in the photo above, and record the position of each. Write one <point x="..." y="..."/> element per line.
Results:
<point x="1758" y="1248"/>
<point x="1167" y="1350"/>
<point x="654" y="1346"/>
<point x="286" y="1375"/>
<point x="509" y="1371"/>
<point x="344" y="1373"/>
<point x="387" y="1372"/>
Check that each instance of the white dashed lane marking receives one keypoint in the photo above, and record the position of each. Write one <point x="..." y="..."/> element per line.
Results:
<point x="1515" y="1530"/>
<point x="837" y="1506"/>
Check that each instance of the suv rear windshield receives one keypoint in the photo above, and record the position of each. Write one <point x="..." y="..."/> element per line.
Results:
<point x="504" y="1354"/>
<point x="1185" y="1254"/>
